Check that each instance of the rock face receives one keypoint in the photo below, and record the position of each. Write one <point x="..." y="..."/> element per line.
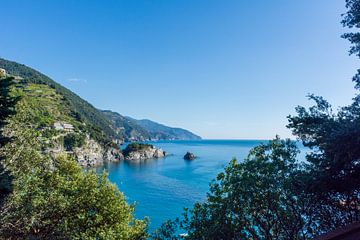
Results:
<point x="93" y="154"/>
<point x="140" y="152"/>
<point x="90" y="154"/>
<point x="189" y="156"/>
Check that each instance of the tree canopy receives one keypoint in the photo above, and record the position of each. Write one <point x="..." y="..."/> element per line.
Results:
<point x="63" y="202"/>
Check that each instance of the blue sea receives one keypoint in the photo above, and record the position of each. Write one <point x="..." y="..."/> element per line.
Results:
<point x="161" y="188"/>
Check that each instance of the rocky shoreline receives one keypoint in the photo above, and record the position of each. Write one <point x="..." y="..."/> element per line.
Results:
<point x="93" y="154"/>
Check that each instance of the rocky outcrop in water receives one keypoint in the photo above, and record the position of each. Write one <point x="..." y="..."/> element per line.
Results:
<point x="189" y="156"/>
<point x="140" y="152"/>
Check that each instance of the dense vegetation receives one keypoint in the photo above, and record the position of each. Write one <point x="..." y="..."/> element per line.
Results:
<point x="135" y="147"/>
<point x="72" y="141"/>
<point x="7" y="108"/>
<point x="271" y="195"/>
<point x="52" y="197"/>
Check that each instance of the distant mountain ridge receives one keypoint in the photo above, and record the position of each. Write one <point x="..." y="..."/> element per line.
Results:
<point x="103" y="125"/>
<point x="142" y="130"/>
<point x="160" y="131"/>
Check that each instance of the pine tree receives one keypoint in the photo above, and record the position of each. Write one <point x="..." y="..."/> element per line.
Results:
<point x="7" y="108"/>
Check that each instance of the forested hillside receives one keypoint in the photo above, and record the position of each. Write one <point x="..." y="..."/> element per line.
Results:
<point x="129" y="130"/>
<point x="83" y="111"/>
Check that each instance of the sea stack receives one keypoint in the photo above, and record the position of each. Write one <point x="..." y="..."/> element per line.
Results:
<point x="189" y="156"/>
<point x="142" y="151"/>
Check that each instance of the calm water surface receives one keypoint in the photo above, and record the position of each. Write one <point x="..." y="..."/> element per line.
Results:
<point x="162" y="188"/>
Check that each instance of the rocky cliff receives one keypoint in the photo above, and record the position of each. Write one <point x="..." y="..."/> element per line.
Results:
<point x="94" y="154"/>
<point x="90" y="154"/>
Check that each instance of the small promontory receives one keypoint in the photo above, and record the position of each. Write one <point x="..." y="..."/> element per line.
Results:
<point x="142" y="151"/>
<point x="189" y="156"/>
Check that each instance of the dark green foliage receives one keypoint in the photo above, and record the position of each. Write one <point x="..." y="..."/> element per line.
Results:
<point x="334" y="137"/>
<point x="66" y="203"/>
<point x="167" y="231"/>
<point x="333" y="169"/>
<point x="73" y="140"/>
<point x="352" y="21"/>
<point x="7" y="108"/>
<point x="7" y="104"/>
<point x="335" y="140"/>
<point x="255" y="199"/>
<point x="263" y="197"/>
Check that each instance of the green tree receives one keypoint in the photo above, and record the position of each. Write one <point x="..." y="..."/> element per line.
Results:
<point x="167" y="231"/>
<point x="63" y="202"/>
<point x="258" y="198"/>
<point x="73" y="140"/>
<point x="334" y="168"/>
<point x="352" y="20"/>
<point x="7" y="104"/>
<point x="334" y="138"/>
<point x="7" y="108"/>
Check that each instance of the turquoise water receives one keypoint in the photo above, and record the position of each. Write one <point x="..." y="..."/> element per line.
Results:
<point x="162" y="188"/>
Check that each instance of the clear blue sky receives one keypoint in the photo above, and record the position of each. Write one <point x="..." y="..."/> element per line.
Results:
<point x="223" y="69"/>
